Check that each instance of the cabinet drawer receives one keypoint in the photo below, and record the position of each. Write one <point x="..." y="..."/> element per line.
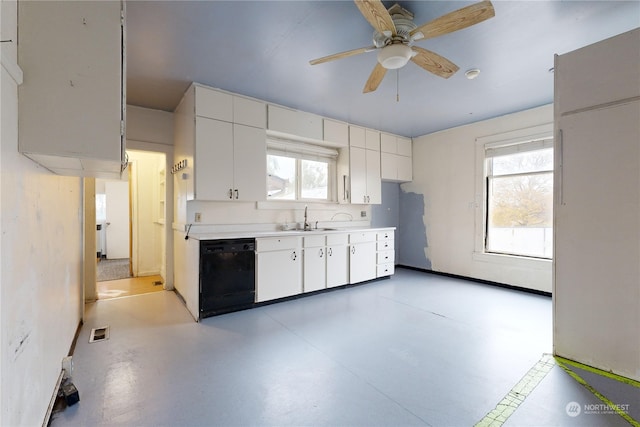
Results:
<point x="385" y="235"/>
<point x="385" y="245"/>
<point x="278" y="243"/>
<point x="365" y="236"/>
<point x="313" y="241"/>
<point x="337" y="239"/>
<point x="385" y="270"/>
<point x="213" y="104"/>
<point x="385" y="257"/>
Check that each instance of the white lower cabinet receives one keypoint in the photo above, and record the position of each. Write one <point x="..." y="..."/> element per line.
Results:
<point x="337" y="260"/>
<point x="362" y="258"/>
<point x="315" y="264"/>
<point x="278" y="267"/>
<point x="386" y="254"/>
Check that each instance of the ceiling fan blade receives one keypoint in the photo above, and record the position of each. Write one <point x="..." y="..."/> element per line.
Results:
<point x="434" y="63"/>
<point x="454" y="21"/>
<point x="375" y="78"/>
<point x="377" y="15"/>
<point x="342" y="55"/>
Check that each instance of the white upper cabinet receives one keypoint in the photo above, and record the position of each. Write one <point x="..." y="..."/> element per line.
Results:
<point x="226" y="158"/>
<point x="214" y="104"/>
<point x="357" y="137"/>
<point x="249" y="112"/>
<point x="396" y="158"/>
<point x="372" y="140"/>
<point x="71" y="104"/>
<point x="336" y="133"/>
<point x="293" y="122"/>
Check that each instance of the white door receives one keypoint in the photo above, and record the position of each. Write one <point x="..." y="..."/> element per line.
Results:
<point x="337" y="265"/>
<point x="250" y="163"/>
<point x="358" y="159"/>
<point x="279" y="274"/>
<point x="117" y="207"/>
<point x="314" y="269"/>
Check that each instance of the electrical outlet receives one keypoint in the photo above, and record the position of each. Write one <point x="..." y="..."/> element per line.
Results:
<point x="198" y="217"/>
<point x="363" y="214"/>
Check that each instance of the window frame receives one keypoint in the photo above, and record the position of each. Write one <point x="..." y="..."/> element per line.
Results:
<point x="507" y="150"/>
<point x="300" y="152"/>
<point x="479" y="204"/>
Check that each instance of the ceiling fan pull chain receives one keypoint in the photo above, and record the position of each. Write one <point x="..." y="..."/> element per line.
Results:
<point x="398" y="85"/>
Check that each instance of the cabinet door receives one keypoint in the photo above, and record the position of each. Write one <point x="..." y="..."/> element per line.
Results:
<point x="358" y="167"/>
<point x="337" y="265"/>
<point x="249" y="163"/>
<point x="357" y="137"/>
<point x="405" y="168"/>
<point x="278" y="274"/>
<point x="388" y="143"/>
<point x="388" y="166"/>
<point x="214" y="104"/>
<point x="336" y="132"/>
<point x="213" y="171"/>
<point x="374" y="183"/>
<point x="249" y="112"/>
<point x="404" y="147"/>
<point x="372" y="139"/>
<point x="362" y="262"/>
<point x="314" y="269"/>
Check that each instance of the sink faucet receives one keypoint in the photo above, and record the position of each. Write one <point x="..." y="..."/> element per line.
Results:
<point x="306" y="225"/>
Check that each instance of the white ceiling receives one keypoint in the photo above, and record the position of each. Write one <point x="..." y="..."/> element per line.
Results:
<point x="262" y="49"/>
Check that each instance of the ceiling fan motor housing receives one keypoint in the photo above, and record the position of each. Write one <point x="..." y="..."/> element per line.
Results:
<point x="403" y="21"/>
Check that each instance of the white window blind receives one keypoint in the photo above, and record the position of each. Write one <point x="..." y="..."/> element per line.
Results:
<point x="519" y="147"/>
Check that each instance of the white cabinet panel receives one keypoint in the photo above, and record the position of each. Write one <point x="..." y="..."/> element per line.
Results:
<point x="374" y="182"/>
<point x="278" y="243"/>
<point x="71" y="101"/>
<point x="337" y="239"/>
<point x="249" y="112"/>
<point x="372" y="140"/>
<point x="249" y="163"/>
<point x="315" y="269"/>
<point x="214" y="104"/>
<point x="388" y="143"/>
<point x="357" y="137"/>
<point x="336" y="132"/>
<point x="386" y="257"/>
<point x="213" y="169"/>
<point x="358" y="166"/>
<point x="278" y="274"/>
<point x="385" y="270"/>
<point x="362" y="237"/>
<point x="388" y="166"/>
<point x="337" y="265"/>
<point x="404" y="147"/>
<point x="405" y="168"/>
<point x="362" y="262"/>
<point x="294" y="122"/>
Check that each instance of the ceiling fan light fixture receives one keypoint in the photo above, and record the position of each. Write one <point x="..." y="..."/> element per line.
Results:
<point x="394" y="56"/>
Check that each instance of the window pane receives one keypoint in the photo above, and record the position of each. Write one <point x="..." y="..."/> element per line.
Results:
<point x="520" y="212"/>
<point x="529" y="161"/>
<point x="281" y="177"/>
<point x="315" y="178"/>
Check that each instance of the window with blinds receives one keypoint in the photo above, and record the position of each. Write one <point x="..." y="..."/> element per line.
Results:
<point x="519" y="199"/>
<point x="300" y="171"/>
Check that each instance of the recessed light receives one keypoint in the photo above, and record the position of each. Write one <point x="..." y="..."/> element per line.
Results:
<point x="472" y="74"/>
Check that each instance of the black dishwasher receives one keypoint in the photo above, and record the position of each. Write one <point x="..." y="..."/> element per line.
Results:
<point x="227" y="276"/>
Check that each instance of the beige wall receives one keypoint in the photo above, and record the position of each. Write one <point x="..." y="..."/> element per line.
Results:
<point x="41" y="262"/>
<point x="446" y="175"/>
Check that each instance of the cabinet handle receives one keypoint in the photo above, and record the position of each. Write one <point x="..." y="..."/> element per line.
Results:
<point x="364" y="199"/>
<point x="237" y="193"/>
<point x="230" y="193"/>
<point x="330" y="251"/>
<point x="294" y="256"/>
<point x="353" y="249"/>
<point x="321" y="253"/>
<point x="560" y="168"/>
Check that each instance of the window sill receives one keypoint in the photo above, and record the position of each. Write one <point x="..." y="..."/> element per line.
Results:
<point x="294" y="204"/>
<point x="513" y="260"/>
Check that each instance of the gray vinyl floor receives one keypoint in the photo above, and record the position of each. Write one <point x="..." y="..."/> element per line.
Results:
<point x="417" y="349"/>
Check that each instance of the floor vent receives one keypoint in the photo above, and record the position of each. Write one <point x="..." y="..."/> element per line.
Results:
<point x="99" y="334"/>
<point x="157" y="283"/>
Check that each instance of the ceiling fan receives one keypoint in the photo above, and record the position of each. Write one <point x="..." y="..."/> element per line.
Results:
<point x="395" y="34"/>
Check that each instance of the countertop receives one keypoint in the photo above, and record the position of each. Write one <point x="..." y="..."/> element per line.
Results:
<point x="279" y="233"/>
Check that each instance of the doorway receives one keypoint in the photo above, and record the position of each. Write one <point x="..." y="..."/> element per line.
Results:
<point x="130" y="228"/>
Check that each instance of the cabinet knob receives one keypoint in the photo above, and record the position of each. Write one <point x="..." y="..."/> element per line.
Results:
<point x="330" y="252"/>
<point x="294" y="256"/>
<point x="321" y="252"/>
<point x="353" y="249"/>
